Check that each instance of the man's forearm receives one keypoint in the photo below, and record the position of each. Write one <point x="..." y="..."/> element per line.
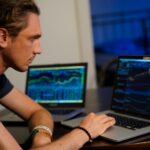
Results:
<point x="7" y="142"/>
<point x="41" y="117"/>
<point x="42" y="122"/>
<point x="71" y="141"/>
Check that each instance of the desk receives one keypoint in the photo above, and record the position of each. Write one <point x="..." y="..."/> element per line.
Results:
<point x="97" y="100"/>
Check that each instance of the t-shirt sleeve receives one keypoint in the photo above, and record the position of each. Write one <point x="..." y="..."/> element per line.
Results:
<point x="5" y="86"/>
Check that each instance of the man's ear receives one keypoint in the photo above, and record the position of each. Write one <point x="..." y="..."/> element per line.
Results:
<point x="3" y="37"/>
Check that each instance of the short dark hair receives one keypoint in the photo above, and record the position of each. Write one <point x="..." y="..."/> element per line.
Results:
<point x="14" y="14"/>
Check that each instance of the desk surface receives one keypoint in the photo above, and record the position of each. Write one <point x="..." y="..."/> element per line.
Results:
<point x="97" y="100"/>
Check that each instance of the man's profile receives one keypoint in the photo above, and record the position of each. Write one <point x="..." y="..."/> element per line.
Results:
<point x="20" y="34"/>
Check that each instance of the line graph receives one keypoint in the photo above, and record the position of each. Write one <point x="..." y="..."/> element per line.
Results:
<point x="57" y="85"/>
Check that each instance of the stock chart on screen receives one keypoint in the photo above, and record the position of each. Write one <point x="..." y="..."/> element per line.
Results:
<point x="132" y="86"/>
<point x="56" y="84"/>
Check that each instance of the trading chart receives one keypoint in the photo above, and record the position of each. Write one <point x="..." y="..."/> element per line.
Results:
<point x="132" y="89"/>
<point x="56" y="85"/>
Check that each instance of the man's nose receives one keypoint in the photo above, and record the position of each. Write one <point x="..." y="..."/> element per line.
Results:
<point x="38" y="49"/>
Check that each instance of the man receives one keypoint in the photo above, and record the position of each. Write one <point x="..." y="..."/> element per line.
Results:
<point x="20" y="33"/>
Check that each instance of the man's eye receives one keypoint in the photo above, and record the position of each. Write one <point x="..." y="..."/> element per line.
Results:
<point x="32" y="39"/>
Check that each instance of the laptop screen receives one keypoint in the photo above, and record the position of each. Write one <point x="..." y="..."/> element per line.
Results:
<point x="132" y="86"/>
<point x="57" y="85"/>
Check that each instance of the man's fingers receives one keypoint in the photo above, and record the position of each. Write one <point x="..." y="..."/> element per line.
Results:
<point x="107" y="124"/>
<point x="104" y="118"/>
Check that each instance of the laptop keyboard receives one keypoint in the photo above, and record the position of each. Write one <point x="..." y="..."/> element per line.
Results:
<point x="60" y="111"/>
<point x="129" y="123"/>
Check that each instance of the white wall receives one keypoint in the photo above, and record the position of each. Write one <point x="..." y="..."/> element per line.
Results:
<point x="66" y="37"/>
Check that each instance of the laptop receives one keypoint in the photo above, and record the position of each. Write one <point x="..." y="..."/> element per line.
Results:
<point x="130" y="104"/>
<point x="60" y="88"/>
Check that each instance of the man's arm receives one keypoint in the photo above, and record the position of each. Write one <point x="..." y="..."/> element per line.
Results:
<point x="31" y="111"/>
<point x="94" y="124"/>
<point x="7" y="142"/>
<point x="21" y="104"/>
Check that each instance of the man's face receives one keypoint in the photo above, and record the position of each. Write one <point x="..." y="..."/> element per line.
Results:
<point x="21" y="51"/>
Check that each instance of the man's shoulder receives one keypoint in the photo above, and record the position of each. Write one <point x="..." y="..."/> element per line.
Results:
<point x="5" y="85"/>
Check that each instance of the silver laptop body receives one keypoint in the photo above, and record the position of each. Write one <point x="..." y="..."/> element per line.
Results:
<point x="131" y="98"/>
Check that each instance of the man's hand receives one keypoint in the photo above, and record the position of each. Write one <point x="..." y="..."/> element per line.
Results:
<point x="97" y="124"/>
